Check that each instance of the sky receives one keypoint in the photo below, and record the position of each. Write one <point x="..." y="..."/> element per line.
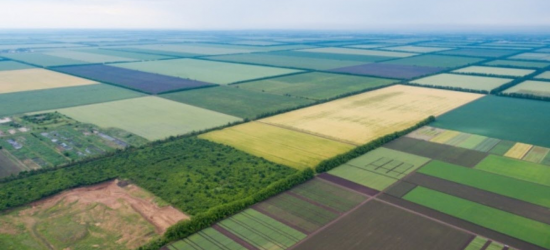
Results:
<point x="275" y="14"/>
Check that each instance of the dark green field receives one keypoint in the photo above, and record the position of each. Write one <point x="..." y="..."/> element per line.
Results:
<point x="503" y="118"/>
<point x="236" y="101"/>
<point x="41" y="100"/>
<point x="480" y="52"/>
<point x="317" y="86"/>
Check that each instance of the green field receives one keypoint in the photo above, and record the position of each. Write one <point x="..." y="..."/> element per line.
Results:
<point x="380" y="168"/>
<point x="335" y="50"/>
<point x="545" y="75"/>
<point x="476" y="244"/>
<point x="287" y="61"/>
<point x="462" y="81"/>
<point x="329" y="195"/>
<point x="11" y="65"/>
<point x="520" y="64"/>
<point x="206" y="71"/>
<point x="535" y="88"/>
<point x="124" y="54"/>
<point x="496" y="183"/>
<point x="436" y="61"/>
<point x="40" y="100"/>
<point x="84" y="56"/>
<point x="482" y="70"/>
<point x="479" y="52"/>
<point x="518" y="169"/>
<point x="516" y="226"/>
<point x="532" y="56"/>
<point x="262" y="231"/>
<point x="150" y="117"/>
<point x="415" y="49"/>
<point x="316" y="85"/>
<point x="206" y="239"/>
<point x="43" y="60"/>
<point x="236" y="101"/>
<point x="519" y="121"/>
<point x="196" y="49"/>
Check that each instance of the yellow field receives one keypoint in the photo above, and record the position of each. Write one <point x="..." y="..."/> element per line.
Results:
<point x="361" y="118"/>
<point x="445" y="136"/>
<point x="35" y="79"/>
<point x="283" y="146"/>
<point x="518" y="151"/>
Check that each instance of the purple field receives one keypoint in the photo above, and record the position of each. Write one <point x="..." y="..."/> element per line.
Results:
<point x="132" y="79"/>
<point x="389" y="70"/>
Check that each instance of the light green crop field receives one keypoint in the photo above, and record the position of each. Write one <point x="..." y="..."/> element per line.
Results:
<point x="536" y="88"/>
<point x="533" y="56"/>
<point x="202" y="49"/>
<point x="494" y="71"/>
<point x="545" y="75"/>
<point x="38" y="45"/>
<point x="513" y="225"/>
<point x="47" y="99"/>
<point x="206" y="239"/>
<point x="236" y="101"/>
<point x="150" y="117"/>
<point x="206" y="71"/>
<point x="521" y="64"/>
<point x="463" y="81"/>
<point x="416" y="49"/>
<point x="124" y="54"/>
<point x="518" y="169"/>
<point x="283" y="146"/>
<point x="495" y="183"/>
<point x="287" y="61"/>
<point x="42" y="59"/>
<point x="261" y="230"/>
<point x="369" y="46"/>
<point x="87" y="57"/>
<point x="316" y="85"/>
<point x="335" y="50"/>
<point x="379" y="168"/>
<point x="436" y="61"/>
<point x="476" y="244"/>
<point x="11" y="65"/>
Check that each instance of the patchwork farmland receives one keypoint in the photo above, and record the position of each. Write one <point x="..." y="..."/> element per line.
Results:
<point x="243" y="140"/>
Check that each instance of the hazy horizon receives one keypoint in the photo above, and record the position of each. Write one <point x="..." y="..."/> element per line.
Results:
<point x="350" y="15"/>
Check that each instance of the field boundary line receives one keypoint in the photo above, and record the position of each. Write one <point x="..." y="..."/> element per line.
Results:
<point x="234" y="237"/>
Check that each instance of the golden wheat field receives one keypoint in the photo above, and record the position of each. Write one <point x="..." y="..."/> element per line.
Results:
<point x="361" y="118"/>
<point x="36" y="79"/>
<point x="283" y="146"/>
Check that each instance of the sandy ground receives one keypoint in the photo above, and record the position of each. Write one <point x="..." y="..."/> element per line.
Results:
<point x="113" y="196"/>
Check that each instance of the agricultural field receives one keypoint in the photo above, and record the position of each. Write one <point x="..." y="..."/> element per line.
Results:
<point x="42" y="60"/>
<point x="280" y="145"/>
<point x="132" y="56"/>
<point x="132" y="79"/>
<point x="335" y="50"/>
<point x="237" y="101"/>
<point x="87" y="57"/>
<point x="380" y="168"/>
<point x="479" y="52"/>
<point x="150" y="117"/>
<point x="545" y="75"/>
<point x="315" y="85"/>
<point x="11" y="65"/>
<point x="532" y="56"/>
<point x="435" y="61"/>
<point x="465" y="82"/>
<point x="519" y="64"/>
<point x="51" y="139"/>
<point x="416" y="49"/>
<point x="350" y="119"/>
<point x="202" y="70"/>
<point x="185" y="49"/>
<point x="496" y="71"/>
<point x="519" y="121"/>
<point x="36" y="79"/>
<point x="56" y="98"/>
<point x="285" y="61"/>
<point x="111" y="215"/>
<point x="389" y="70"/>
<point x="330" y="56"/>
